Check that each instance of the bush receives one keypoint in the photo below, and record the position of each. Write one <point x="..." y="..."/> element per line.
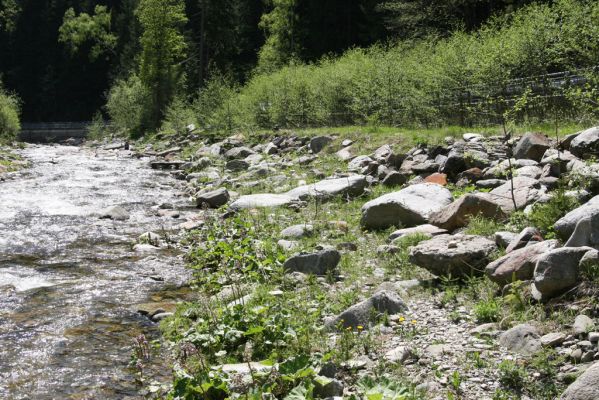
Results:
<point x="128" y="105"/>
<point x="9" y="116"/>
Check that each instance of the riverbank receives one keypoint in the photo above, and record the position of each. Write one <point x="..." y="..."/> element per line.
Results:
<point x="306" y="289"/>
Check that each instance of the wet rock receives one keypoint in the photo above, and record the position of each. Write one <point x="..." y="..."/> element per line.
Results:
<point x="586" y="143"/>
<point x="458" y="213"/>
<point x="319" y="263"/>
<point x="532" y="146"/>
<point x="145" y="248"/>
<point x="522" y="339"/>
<point x="297" y="231"/>
<point x="149" y="237"/>
<point x="557" y="271"/>
<point x="519" y="264"/>
<point x="361" y="314"/>
<point x="350" y="186"/>
<point x="565" y="226"/>
<point x="583" y="324"/>
<point x="426" y="229"/>
<point x="213" y="199"/>
<point x="160" y="316"/>
<point x="458" y="255"/>
<point x="408" y="207"/>
<point x="528" y="236"/>
<point x="261" y="200"/>
<point x="151" y="309"/>
<point x="586" y="387"/>
<point x="319" y="142"/>
<point x="116" y="213"/>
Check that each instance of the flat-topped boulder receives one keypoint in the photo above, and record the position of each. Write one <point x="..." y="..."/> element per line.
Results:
<point x="457" y="255"/>
<point x="526" y="191"/>
<point x="261" y="200"/>
<point x="426" y="229"/>
<point x="408" y="207"/>
<point x="458" y="213"/>
<point x="532" y="146"/>
<point x="349" y="186"/>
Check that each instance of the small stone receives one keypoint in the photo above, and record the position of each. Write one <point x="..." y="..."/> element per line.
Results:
<point x="553" y="339"/>
<point x="583" y="324"/>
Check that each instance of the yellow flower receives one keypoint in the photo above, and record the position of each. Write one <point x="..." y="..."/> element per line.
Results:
<point x="401" y="319"/>
<point x="360" y="327"/>
<point x="414" y="321"/>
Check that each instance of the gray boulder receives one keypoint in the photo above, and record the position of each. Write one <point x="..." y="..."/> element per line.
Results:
<point x="407" y="207"/>
<point x="458" y="255"/>
<point x="237" y="165"/>
<point x="583" y="324"/>
<point x="319" y="142"/>
<point x="586" y="387"/>
<point x="557" y="271"/>
<point x="586" y="143"/>
<point x="528" y="236"/>
<point x="522" y="339"/>
<point x="297" y="231"/>
<point x="426" y="229"/>
<point x="532" y="146"/>
<point x="526" y="190"/>
<point x="586" y="232"/>
<point x="238" y="152"/>
<point x="565" y="226"/>
<point x="261" y="200"/>
<point x="213" y="199"/>
<point x="358" y="163"/>
<point x="382" y="302"/>
<point x="458" y="213"/>
<point x="350" y="186"/>
<point x="313" y="263"/>
<point x="519" y="264"/>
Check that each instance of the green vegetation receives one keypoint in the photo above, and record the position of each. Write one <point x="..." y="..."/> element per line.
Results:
<point x="9" y="116"/>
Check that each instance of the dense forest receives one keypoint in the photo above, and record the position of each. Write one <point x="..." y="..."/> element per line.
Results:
<point x="73" y="59"/>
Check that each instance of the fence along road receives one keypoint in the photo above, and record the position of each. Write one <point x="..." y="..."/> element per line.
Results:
<point x="47" y="132"/>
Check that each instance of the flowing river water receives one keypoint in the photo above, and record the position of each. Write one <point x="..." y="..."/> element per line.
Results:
<point x="69" y="280"/>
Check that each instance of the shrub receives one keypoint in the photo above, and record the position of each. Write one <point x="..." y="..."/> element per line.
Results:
<point x="9" y="116"/>
<point x="487" y="311"/>
<point x="127" y="105"/>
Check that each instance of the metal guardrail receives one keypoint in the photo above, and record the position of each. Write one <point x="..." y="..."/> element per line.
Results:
<point x="45" y="132"/>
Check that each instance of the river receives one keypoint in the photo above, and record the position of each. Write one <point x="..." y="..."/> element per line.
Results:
<point x="69" y="280"/>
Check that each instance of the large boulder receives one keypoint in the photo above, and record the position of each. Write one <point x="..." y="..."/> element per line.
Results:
<point x="426" y="229"/>
<point x="586" y="387"/>
<point x="319" y="142"/>
<point x="586" y="232"/>
<point x="350" y="186"/>
<point x="565" y="226"/>
<point x="557" y="271"/>
<point x="525" y="191"/>
<point x="532" y="146"/>
<point x="458" y="255"/>
<point x="238" y="152"/>
<point x="458" y="213"/>
<point x="519" y="264"/>
<point x="319" y="263"/>
<point x="261" y="200"/>
<point x="408" y="207"/>
<point x="522" y="339"/>
<point x="586" y="143"/>
<point x="361" y="314"/>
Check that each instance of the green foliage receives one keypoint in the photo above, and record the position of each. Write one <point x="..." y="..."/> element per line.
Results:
<point x="383" y="388"/>
<point x="77" y="30"/>
<point x="9" y="12"/>
<point x="487" y="310"/>
<point x="9" y="116"/>
<point x="127" y="106"/>
<point x="544" y="215"/>
<point x="282" y="41"/>
<point x="512" y="375"/>
<point x="163" y="48"/>
<point x="479" y="225"/>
